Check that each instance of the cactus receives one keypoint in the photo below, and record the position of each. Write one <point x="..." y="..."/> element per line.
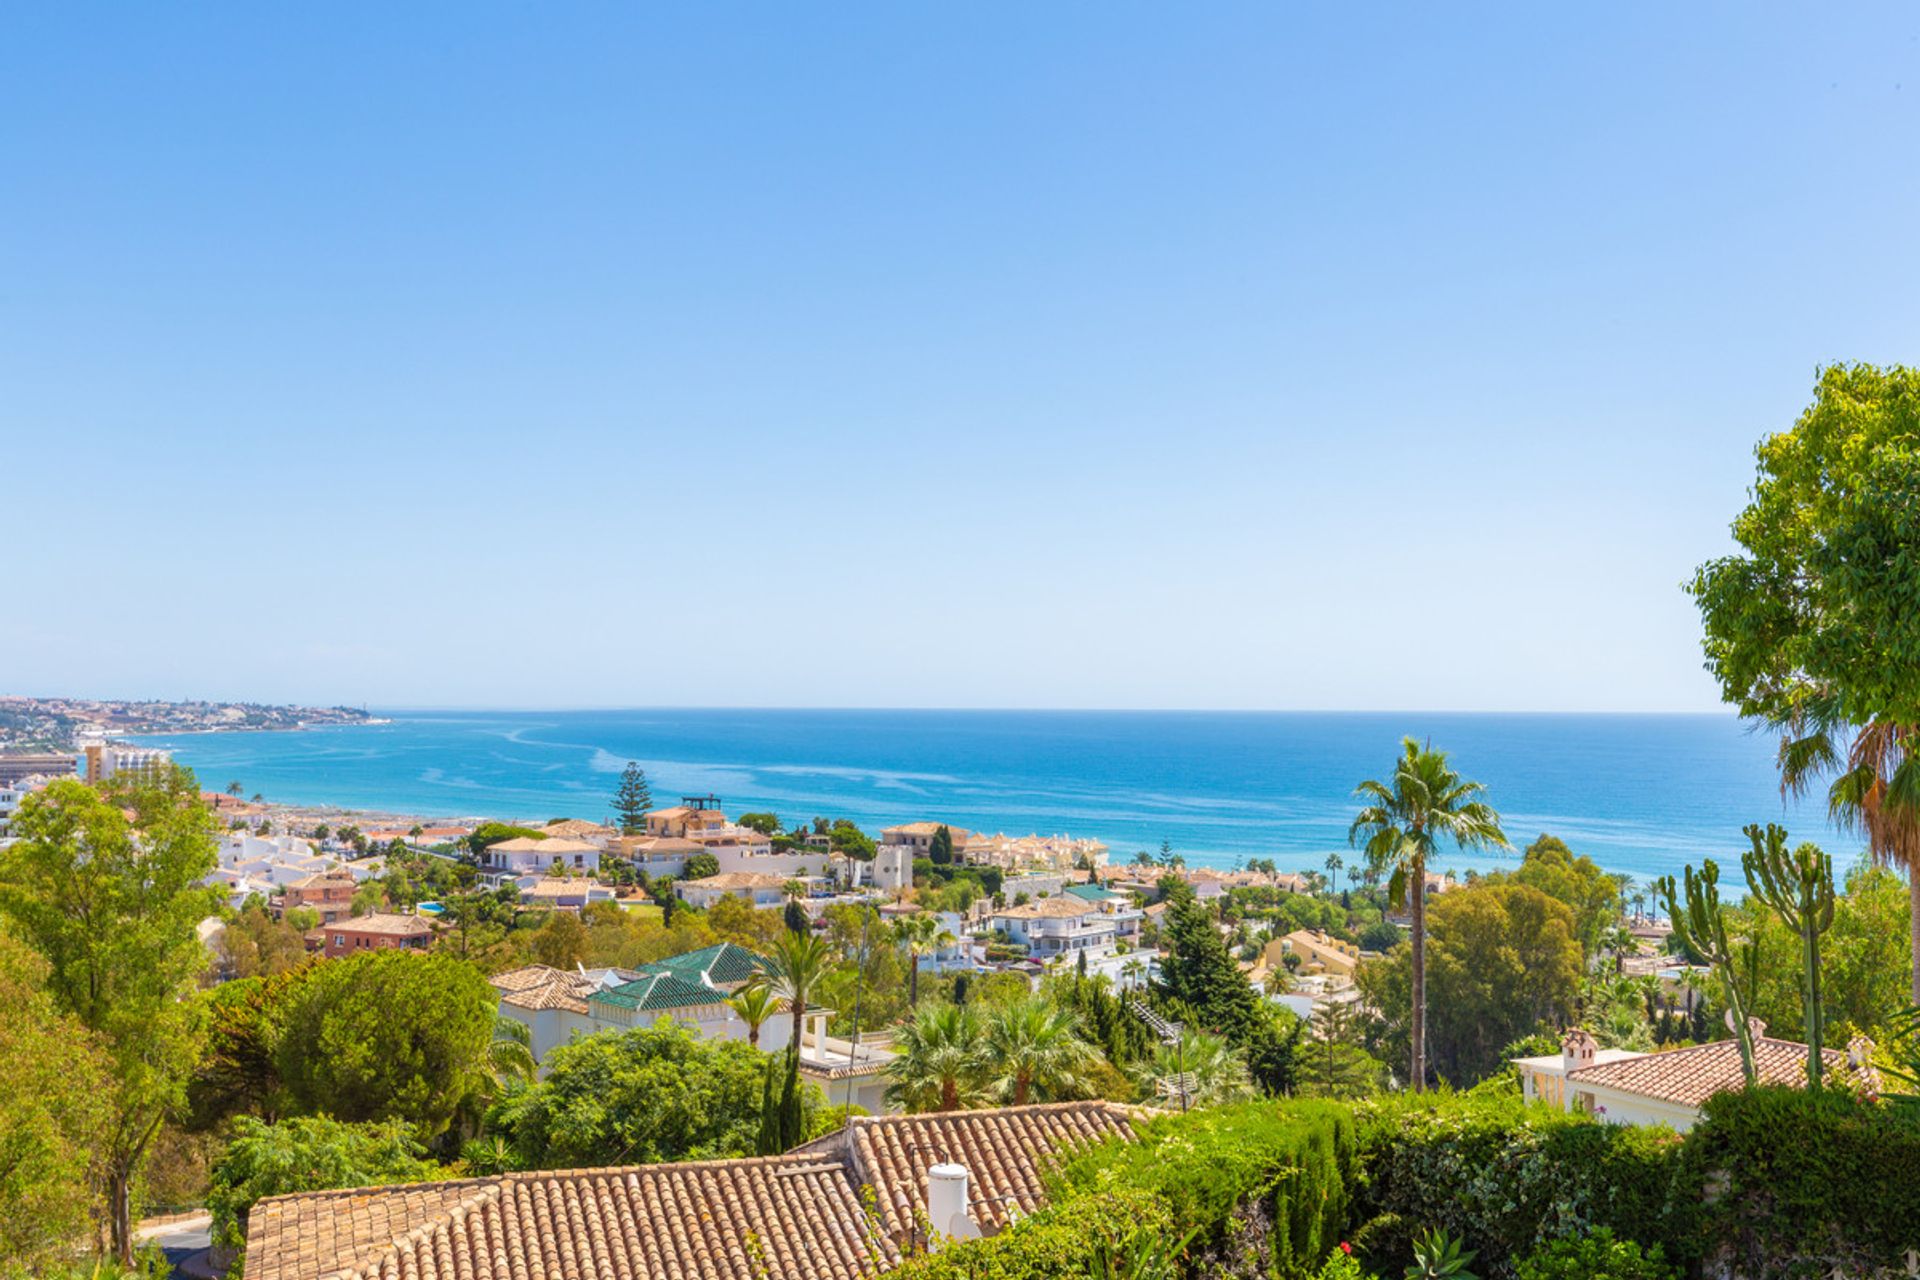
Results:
<point x="1703" y="928"/>
<point x="1798" y="886"/>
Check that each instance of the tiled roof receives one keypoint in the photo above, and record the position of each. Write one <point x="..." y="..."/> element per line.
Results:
<point x="381" y="923"/>
<point x="737" y="880"/>
<point x="800" y="1216"/>
<point x="1006" y="1151"/>
<point x="519" y="844"/>
<point x="1690" y="1076"/>
<point x="794" y="1217"/>
<point x="578" y="827"/>
<point x="539" y="987"/>
<point x="324" y="880"/>
<point x="659" y="991"/>
<point x="1058" y="908"/>
<point x="720" y="965"/>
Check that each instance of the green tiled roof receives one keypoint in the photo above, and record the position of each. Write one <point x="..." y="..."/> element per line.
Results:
<point x="721" y="965"/>
<point x="658" y="991"/>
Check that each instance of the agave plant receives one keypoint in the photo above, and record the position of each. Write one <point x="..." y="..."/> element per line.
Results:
<point x="1438" y="1256"/>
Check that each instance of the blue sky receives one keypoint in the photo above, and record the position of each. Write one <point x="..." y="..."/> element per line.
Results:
<point x="970" y="355"/>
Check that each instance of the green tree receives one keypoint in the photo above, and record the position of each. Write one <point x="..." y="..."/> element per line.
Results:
<point x="631" y="800"/>
<point x="638" y="1097"/>
<point x="1811" y="627"/>
<point x="254" y="944"/>
<point x="487" y="833"/>
<point x="793" y="971"/>
<point x="111" y="903"/>
<point x="920" y="935"/>
<point x="1399" y="826"/>
<point x="940" y="1059"/>
<point x="700" y="866"/>
<point x="1199" y="1070"/>
<point x="941" y="849"/>
<point x="307" y="1153"/>
<point x="767" y="824"/>
<point x="1503" y="962"/>
<point x="560" y="943"/>
<point x="755" y="1005"/>
<point x="1034" y="1052"/>
<point x="845" y="837"/>
<point x="55" y="1072"/>
<point x="388" y="1035"/>
<point x="1333" y="1064"/>
<point x="1593" y="896"/>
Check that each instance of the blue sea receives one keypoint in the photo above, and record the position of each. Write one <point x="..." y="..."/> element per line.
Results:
<point x="1641" y="794"/>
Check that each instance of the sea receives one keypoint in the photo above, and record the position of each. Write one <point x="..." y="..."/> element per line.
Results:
<point x="1640" y="794"/>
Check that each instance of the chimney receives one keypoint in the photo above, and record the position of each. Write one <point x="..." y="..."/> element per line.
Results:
<point x="947" y="1216"/>
<point x="1577" y="1049"/>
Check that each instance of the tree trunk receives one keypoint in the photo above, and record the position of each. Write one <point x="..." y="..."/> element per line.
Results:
<point x="1913" y="921"/>
<point x="120" y="1214"/>
<point x="1417" y="1077"/>
<point x="949" y="1094"/>
<point x="913" y="996"/>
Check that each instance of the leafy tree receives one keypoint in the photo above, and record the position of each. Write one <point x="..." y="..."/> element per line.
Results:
<point x="940" y="1059"/>
<point x="307" y="1153"/>
<point x="1593" y="896"/>
<point x="111" y="903"/>
<point x="845" y="837"/>
<point x="487" y="833"/>
<point x="631" y="800"/>
<point x="767" y="824"/>
<point x="641" y="1096"/>
<point x="237" y="1073"/>
<point x="561" y="943"/>
<point x="1811" y="627"/>
<point x="700" y="866"/>
<point x="1503" y="961"/>
<point x="1034" y="1052"/>
<point x="256" y="945"/>
<point x="1400" y="826"/>
<point x="941" y="849"/>
<point x="55" y="1071"/>
<point x="388" y="1035"/>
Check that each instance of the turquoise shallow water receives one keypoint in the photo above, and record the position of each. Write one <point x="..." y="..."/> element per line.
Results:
<point x="1641" y="793"/>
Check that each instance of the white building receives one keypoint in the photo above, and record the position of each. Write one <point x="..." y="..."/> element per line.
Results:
<point x="103" y="760"/>
<point x="1059" y="926"/>
<point x="1623" y="1087"/>
<point x="760" y="890"/>
<point x="525" y="855"/>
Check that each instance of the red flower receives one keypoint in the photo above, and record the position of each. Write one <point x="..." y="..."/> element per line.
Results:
<point x="1345" y="1247"/>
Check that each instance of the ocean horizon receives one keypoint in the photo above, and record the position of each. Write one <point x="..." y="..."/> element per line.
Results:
<point x="1641" y="793"/>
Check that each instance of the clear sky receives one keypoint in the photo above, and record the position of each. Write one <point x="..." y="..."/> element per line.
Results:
<point x="1252" y="356"/>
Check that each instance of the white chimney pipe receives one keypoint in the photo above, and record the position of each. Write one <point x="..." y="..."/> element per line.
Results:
<point x="947" y="1216"/>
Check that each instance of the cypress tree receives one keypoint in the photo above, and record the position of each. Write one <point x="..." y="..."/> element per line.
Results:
<point x="941" y="850"/>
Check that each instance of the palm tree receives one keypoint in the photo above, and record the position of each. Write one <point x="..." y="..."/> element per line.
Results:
<point x="1034" y="1048"/>
<point x="1399" y="827"/>
<point x="1199" y="1070"/>
<point x="1133" y="970"/>
<point x="921" y="934"/>
<point x="939" y="1060"/>
<point x="800" y="961"/>
<point x="1875" y="790"/>
<point x="510" y="1058"/>
<point x="1334" y="864"/>
<point x="755" y="1003"/>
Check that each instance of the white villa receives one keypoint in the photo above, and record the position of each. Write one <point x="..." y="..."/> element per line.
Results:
<point x="525" y="855"/>
<point x="1624" y="1087"/>
<point x="1065" y="925"/>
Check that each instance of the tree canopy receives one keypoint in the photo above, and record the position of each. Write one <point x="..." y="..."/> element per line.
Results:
<point x="635" y="1097"/>
<point x="387" y="1035"/>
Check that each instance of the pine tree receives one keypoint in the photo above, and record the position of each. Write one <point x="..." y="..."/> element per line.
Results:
<point x="632" y="800"/>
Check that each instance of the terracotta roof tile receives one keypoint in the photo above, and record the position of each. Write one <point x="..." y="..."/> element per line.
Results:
<point x="800" y="1216"/>
<point x="1692" y="1075"/>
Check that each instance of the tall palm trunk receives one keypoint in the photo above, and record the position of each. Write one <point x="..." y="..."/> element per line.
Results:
<point x="1913" y="922"/>
<point x="1417" y="1071"/>
<point x="913" y="996"/>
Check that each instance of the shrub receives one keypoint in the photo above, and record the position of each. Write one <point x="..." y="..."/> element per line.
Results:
<point x="1509" y="1178"/>
<point x="1111" y="1232"/>
<point x="1807" y="1183"/>
<point x="1599" y="1256"/>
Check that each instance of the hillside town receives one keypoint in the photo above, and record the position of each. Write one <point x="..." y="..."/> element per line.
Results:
<point x="53" y="725"/>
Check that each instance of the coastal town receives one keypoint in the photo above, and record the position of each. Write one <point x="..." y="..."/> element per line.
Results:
<point x="960" y="642"/>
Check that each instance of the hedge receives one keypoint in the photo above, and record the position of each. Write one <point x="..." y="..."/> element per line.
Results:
<point x="1800" y="1183"/>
